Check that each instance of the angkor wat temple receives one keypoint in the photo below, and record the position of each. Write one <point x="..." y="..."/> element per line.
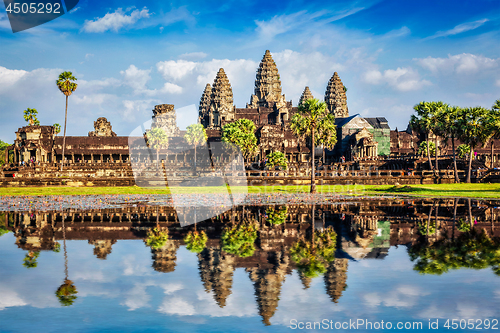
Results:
<point x="358" y="138"/>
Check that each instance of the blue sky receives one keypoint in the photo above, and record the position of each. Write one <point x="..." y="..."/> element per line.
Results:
<point x="129" y="56"/>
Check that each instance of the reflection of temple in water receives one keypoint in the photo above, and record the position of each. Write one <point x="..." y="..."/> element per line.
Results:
<point x="216" y="272"/>
<point x="335" y="278"/>
<point x="102" y="247"/>
<point x="164" y="258"/>
<point x="365" y="230"/>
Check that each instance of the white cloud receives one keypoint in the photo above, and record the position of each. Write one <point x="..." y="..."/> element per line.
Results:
<point x="9" y="77"/>
<point x="498" y="83"/>
<point x="172" y="287"/>
<point x="464" y="63"/>
<point x="115" y="21"/>
<point x="196" y="75"/>
<point x="137" y="297"/>
<point x="136" y="78"/>
<point x="402" y="79"/>
<point x="133" y="108"/>
<point x="175" y="70"/>
<point x="432" y="311"/>
<point x="94" y="85"/>
<point x="404" y="296"/>
<point x="135" y="267"/>
<point x="280" y="24"/>
<point x="193" y="56"/>
<point x="177" y="306"/>
<point x="298" y="70"/>
<point x="460" y="28"/>
<point x="10" y="298"/>
<point x="92" y="99"/>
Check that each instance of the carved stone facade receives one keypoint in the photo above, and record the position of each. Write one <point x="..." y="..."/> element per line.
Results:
<point x="204" y="107"/>
<point x="306" y="94"/>
<point x="335" y="97"/>
<point x="363" y="145"/>
<point x="267" y="85"/>
<point x="164" y="117"/>
<point x="102" y="127"/>
<point x="221" y="108"/>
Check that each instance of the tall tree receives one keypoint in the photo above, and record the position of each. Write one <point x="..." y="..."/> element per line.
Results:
<point x="195" y="135"/>
<point x="472" y="122"/>
<point x="67" y="86"/>
<point x="157" y="139"/>
<point x="424" y="121"/>
<point x="30" y="116"/>
<point x="242" y="134"/>
<point x="57" y="128"/>
<point x="314" y="122"/>
<point x="448" y="128"/>
<point x="437" y="109"/>
<point x="493" y="127"/>
<point x="276" y="158"/>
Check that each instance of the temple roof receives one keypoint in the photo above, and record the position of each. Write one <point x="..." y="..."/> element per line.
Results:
<point x="306" y="94"/>
<point x="355" y="121"/>
<point x="378" y="122"/>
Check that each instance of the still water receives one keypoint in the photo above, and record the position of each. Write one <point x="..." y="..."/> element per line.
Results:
<point x="368" y="264"/>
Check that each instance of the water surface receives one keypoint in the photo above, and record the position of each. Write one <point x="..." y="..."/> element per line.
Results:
<point x="395" y="260"/>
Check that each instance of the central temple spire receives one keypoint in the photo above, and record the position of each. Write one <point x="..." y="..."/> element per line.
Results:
<point x="267" y="84"/>
<point x="335" y="97"/>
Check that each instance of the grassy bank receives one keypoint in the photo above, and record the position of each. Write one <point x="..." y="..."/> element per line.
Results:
<point x="436" y="190"/>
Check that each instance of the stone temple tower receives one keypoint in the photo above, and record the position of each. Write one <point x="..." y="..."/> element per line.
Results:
<point x="204" y="107"/>
<point x="335" y="97"/>
<point x="305" y="95"/>
<point x="221" y="101"/>
<point x="164" y="117"/>
<point x="267" y="85"/>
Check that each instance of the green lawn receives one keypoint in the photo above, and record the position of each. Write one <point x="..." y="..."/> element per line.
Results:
<point x="442" y="190"/>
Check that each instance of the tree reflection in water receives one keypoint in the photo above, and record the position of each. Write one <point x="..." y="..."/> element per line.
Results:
<point x="472" y="249"/>
<point x="240" y="239"/>
<point x="30" y="260"/>
<point x="66" y="293"/>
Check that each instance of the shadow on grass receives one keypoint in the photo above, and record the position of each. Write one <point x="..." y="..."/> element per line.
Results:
<point x="401" y="189"/>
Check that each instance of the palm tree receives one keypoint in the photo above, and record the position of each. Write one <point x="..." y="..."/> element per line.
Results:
<point x="195" y="135"/>
<point x="30" y="116"/>
<point x="448" y="128"/>
<point x="157" y="139"/>
<point x="313" y="121"/>
<point x="57" y="128"/>
<point x="437" y="109"/>
<point x="472" y="123"/>
<point x="425" y="122"/>
<point x="493" y="126"/>
<point x="67" y="86"/>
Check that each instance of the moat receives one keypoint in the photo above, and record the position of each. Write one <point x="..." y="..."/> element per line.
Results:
<point x="268" y="264"/>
